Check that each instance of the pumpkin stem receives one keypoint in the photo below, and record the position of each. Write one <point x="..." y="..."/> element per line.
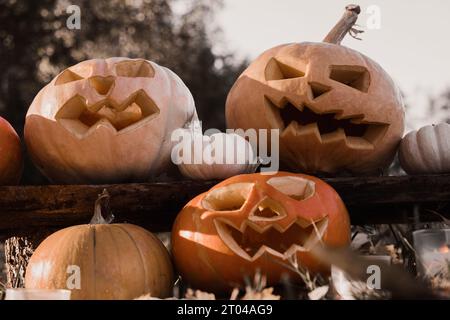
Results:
<point x="345" y="25"/>
<point x="102" y="209"/>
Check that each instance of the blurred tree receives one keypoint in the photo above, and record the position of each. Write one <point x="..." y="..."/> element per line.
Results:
<point x="35" y="45"/>
<point x="439" y="107"/>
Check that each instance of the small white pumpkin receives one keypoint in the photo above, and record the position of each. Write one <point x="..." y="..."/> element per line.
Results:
<point x="426" y="150"/>
<point x="218" y="156"/>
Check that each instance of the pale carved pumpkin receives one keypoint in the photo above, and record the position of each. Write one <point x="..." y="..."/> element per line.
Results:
<point x="256" y="222"/>
<point x="102" y="261"/>
<point x="426" y="150"/>
<point x="336" y="109"/>
<point x="107" y="120"/>
<point x="11" y="162"/>
<point x="216" y="156"/>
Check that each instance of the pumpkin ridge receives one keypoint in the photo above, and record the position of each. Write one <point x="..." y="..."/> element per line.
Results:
<point x="144" y="265"/>
<point x="422" y="149"/>
<point x="437" y="139"/>
<point x="94" y="258"/>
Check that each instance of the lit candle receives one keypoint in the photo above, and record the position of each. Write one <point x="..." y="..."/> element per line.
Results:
<point x="432" y="251"/>
<point x="436" y="261"/>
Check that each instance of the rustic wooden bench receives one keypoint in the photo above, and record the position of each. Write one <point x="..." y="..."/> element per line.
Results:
<point x="35" y="211"/>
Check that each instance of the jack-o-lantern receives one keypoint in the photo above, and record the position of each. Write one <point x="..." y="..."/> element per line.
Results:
<point x="336" y="109"/>
<point x="257" y="222"/>
<point x="107" y="120"/>
<point x="11" y="163"/>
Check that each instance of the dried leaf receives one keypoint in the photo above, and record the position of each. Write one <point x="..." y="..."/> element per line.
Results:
<point x="265" y="294"/>
<point x="318" y="293"/>
<point x="199" y="295"/>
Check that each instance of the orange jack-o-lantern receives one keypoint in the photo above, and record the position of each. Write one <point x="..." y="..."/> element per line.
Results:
<point x="336" y="109"/>
<point x="107" y="120"/>
<point x="256" y="222"/>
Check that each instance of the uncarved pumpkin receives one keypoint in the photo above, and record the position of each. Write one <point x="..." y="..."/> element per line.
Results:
<point x="256" y="222"/>
<point x="107" y="120"/>
<point x="11" y="163"/>
<point x="115" y="261"/>
<point x="426" y="150"/>
<point x="222" y="155"/>
<point x="336" y="109"/>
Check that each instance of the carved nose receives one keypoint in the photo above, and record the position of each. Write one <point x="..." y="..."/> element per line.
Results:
<point x="102" y="84"/>
<point x="267" y="210"/>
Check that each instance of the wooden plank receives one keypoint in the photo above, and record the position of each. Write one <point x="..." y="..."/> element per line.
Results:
<point x="31" y="209"/>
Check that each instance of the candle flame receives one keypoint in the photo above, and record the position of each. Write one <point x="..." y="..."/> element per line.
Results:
<point x="444" y="249"/>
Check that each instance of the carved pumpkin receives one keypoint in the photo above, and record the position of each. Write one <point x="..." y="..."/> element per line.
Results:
<point x="10" y="154"/>
<point x="256" y="222"/>
<point x="336" y="109"/>
<point x="426" y="150"/>
<point x="107" y="120"/>
<point x="102" y="261"/>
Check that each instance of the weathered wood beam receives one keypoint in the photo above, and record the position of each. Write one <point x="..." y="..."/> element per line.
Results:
<point x="41" y="209"/>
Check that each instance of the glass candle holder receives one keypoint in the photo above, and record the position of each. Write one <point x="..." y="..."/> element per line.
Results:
<point x="37" y="294"/>
<point x="432" y="252"/>
<point x="348" y="288"/>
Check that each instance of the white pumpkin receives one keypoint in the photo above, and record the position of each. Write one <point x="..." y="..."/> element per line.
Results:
<point x="218" y="156"/>
<point x="426" y="150"/>
<point x="107" y="120"/>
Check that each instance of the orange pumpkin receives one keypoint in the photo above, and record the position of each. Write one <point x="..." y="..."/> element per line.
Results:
<point x="254" y="221"/>
<point x="102" y="261"/>
<point x="107" y="120"/>
<point x="10" y="154"/>
<point x="335" y="108"/>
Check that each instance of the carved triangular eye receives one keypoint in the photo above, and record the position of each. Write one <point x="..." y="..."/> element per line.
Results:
<point x="228" y="198"/>
<point x="67" y="76"/>
<point x="135" y="68"/>
<point x="276" y="70"/>
<point x="295" y="187"/>
<point x="357" y="77"/>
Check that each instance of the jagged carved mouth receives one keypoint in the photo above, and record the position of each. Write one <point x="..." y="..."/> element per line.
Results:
<point x="250" y="241"/>
<point x="327" y="127"/>
<point x="78" y="117"/>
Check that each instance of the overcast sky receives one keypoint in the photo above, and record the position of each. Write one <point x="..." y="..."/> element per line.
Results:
<point x="412" y="45"/>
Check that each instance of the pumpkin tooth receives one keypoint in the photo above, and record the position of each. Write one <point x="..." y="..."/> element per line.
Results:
<point x="359" y="143"/>
<point x="138" y="106"/>
<point x="226" y="237"/>
<point x="251" y="240"/>
<point x="308" y="131"/>
<point x="326" y="127"/>
<point x="279" y="103"/>
<point x="102" y="123"/>
<point x="337" y="135"/>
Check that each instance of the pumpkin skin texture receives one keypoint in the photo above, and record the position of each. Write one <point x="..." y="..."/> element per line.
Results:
<point x="117" y="261"/>
<point x="426" y="150"/>
<point x="336" y="109"/>
<point x="232" y="144"/>
<point x="273" y="214"/>
<point x="11" y="163"/>
<point x="106" y="121"/>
